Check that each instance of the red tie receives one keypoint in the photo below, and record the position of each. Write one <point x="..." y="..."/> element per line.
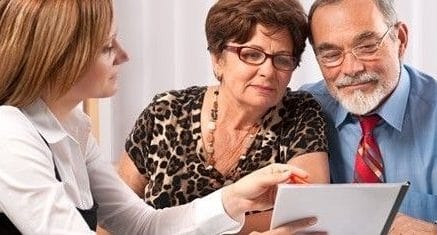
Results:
<point x="369" y="167"/>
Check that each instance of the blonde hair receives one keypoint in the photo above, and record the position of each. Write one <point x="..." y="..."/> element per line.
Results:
<point x="46" y="45"/>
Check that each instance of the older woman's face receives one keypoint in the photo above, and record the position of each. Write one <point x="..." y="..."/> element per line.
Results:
<point x="258" y="86"/>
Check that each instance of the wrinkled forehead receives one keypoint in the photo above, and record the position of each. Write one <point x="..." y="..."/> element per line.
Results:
<point x="272" y="38"/>
<point x="342" y="22"/>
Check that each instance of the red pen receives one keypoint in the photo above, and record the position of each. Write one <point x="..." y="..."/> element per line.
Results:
<point x="294" y="179"/>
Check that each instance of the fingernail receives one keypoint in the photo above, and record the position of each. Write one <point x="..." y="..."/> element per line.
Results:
<point x="312" y="221"/>
<point x="285" y="172"/>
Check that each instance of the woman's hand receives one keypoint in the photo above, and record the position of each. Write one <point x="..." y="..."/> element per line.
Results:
<point x="292" y="228"/>
<point x="257" y="190"/>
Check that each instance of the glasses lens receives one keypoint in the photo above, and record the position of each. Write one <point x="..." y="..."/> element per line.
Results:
<point x="330" y="57"/>
<point x="284" y="62"/>
<point x="252" y="56"/>
<point x="366" y="51"/>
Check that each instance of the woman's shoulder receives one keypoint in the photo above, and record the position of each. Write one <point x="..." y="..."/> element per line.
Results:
<point x="181" y="95"/>
<point x="176" y="102"/>
<point x="12" y="118"/>
<point x="174" y="99"/>
<point x="291" y="95"/>
<point x="14" y="124"/>
<point x="299" y="99"/>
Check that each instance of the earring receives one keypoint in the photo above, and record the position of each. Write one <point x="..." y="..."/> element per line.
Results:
<point x="217" y="76"/>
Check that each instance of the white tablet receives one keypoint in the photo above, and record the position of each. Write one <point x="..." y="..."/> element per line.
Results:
<point x="340" y="208"/>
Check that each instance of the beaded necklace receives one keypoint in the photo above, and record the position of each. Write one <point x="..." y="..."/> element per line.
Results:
<point x="241" y="147"/>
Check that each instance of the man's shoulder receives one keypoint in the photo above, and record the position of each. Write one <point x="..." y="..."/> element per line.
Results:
<point x="421" y="108"/>
<point x="315" y="88"/>
<point x="423" y="85"/>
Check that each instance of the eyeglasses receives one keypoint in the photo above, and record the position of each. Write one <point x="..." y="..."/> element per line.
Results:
<point x="366" y="52"/>
<point x="255" y="56"/>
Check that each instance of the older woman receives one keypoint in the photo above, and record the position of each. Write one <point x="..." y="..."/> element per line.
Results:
<point x="189" y="143"/>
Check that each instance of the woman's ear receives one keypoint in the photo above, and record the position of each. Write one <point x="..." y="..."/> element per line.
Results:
<point x="217" y="65"/>
<point x="402" y="36"/>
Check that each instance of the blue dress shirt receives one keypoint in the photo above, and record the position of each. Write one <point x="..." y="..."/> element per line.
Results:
<point x="407" y="139"/>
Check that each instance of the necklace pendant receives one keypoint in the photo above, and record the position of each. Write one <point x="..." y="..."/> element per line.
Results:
<point x="211" y="160"/>
<point x="210" y="150"/>
<point x="210" y="138"/>
<point x="209" y="167"/>
<point x="214" y="114"/>
<point x="211" y="125"/>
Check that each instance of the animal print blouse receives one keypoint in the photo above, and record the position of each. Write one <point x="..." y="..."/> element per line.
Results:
<point x="167" y="148"/>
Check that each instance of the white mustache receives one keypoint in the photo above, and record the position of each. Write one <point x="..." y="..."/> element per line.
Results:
<point x="354" y="80"/>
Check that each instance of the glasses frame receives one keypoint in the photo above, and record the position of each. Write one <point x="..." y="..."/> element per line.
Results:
<point x="340" y="61"/>
<point x="238" y="49"/>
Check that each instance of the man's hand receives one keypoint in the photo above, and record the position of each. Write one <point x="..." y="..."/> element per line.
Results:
<point x="404" y="224"/>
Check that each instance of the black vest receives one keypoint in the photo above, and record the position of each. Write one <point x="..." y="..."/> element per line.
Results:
<point x="90" y="215"/>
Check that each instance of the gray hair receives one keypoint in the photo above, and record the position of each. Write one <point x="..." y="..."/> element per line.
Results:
<point x="386" y="7"/>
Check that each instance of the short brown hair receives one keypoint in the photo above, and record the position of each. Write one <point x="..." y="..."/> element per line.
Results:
<point x="45" y="46"/>
<point x="235" y="20"/>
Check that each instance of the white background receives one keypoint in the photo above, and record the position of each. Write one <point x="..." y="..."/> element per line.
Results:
<point x="167" y="47"/>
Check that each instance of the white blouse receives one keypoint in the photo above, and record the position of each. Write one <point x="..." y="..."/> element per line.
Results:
<point x="37" y="203"/>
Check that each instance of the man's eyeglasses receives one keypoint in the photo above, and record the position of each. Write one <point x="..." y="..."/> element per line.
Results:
<point x="255" y="56"/>
<point x="366" y="52"/>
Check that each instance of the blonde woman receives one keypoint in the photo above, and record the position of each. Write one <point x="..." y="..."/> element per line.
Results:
<point x="54" y="55"/>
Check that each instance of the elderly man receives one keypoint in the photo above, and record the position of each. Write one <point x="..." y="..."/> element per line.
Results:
<point x="383" y="113"/>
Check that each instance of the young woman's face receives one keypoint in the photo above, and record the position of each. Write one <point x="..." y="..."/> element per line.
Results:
<point x="101" y="79"/>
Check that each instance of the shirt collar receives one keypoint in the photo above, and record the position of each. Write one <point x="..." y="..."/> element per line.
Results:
<point x="340" y="116"/>
<point x="392" y="110"/>
<point x="49" y="126"/>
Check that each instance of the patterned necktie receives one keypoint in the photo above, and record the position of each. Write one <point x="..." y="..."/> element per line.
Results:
<point x="369" y="167"/>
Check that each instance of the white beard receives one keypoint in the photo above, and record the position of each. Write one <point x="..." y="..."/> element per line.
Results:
<point x="358" y="102"/>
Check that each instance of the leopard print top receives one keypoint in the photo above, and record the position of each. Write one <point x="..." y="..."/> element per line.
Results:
<point x="167" y="148"/>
